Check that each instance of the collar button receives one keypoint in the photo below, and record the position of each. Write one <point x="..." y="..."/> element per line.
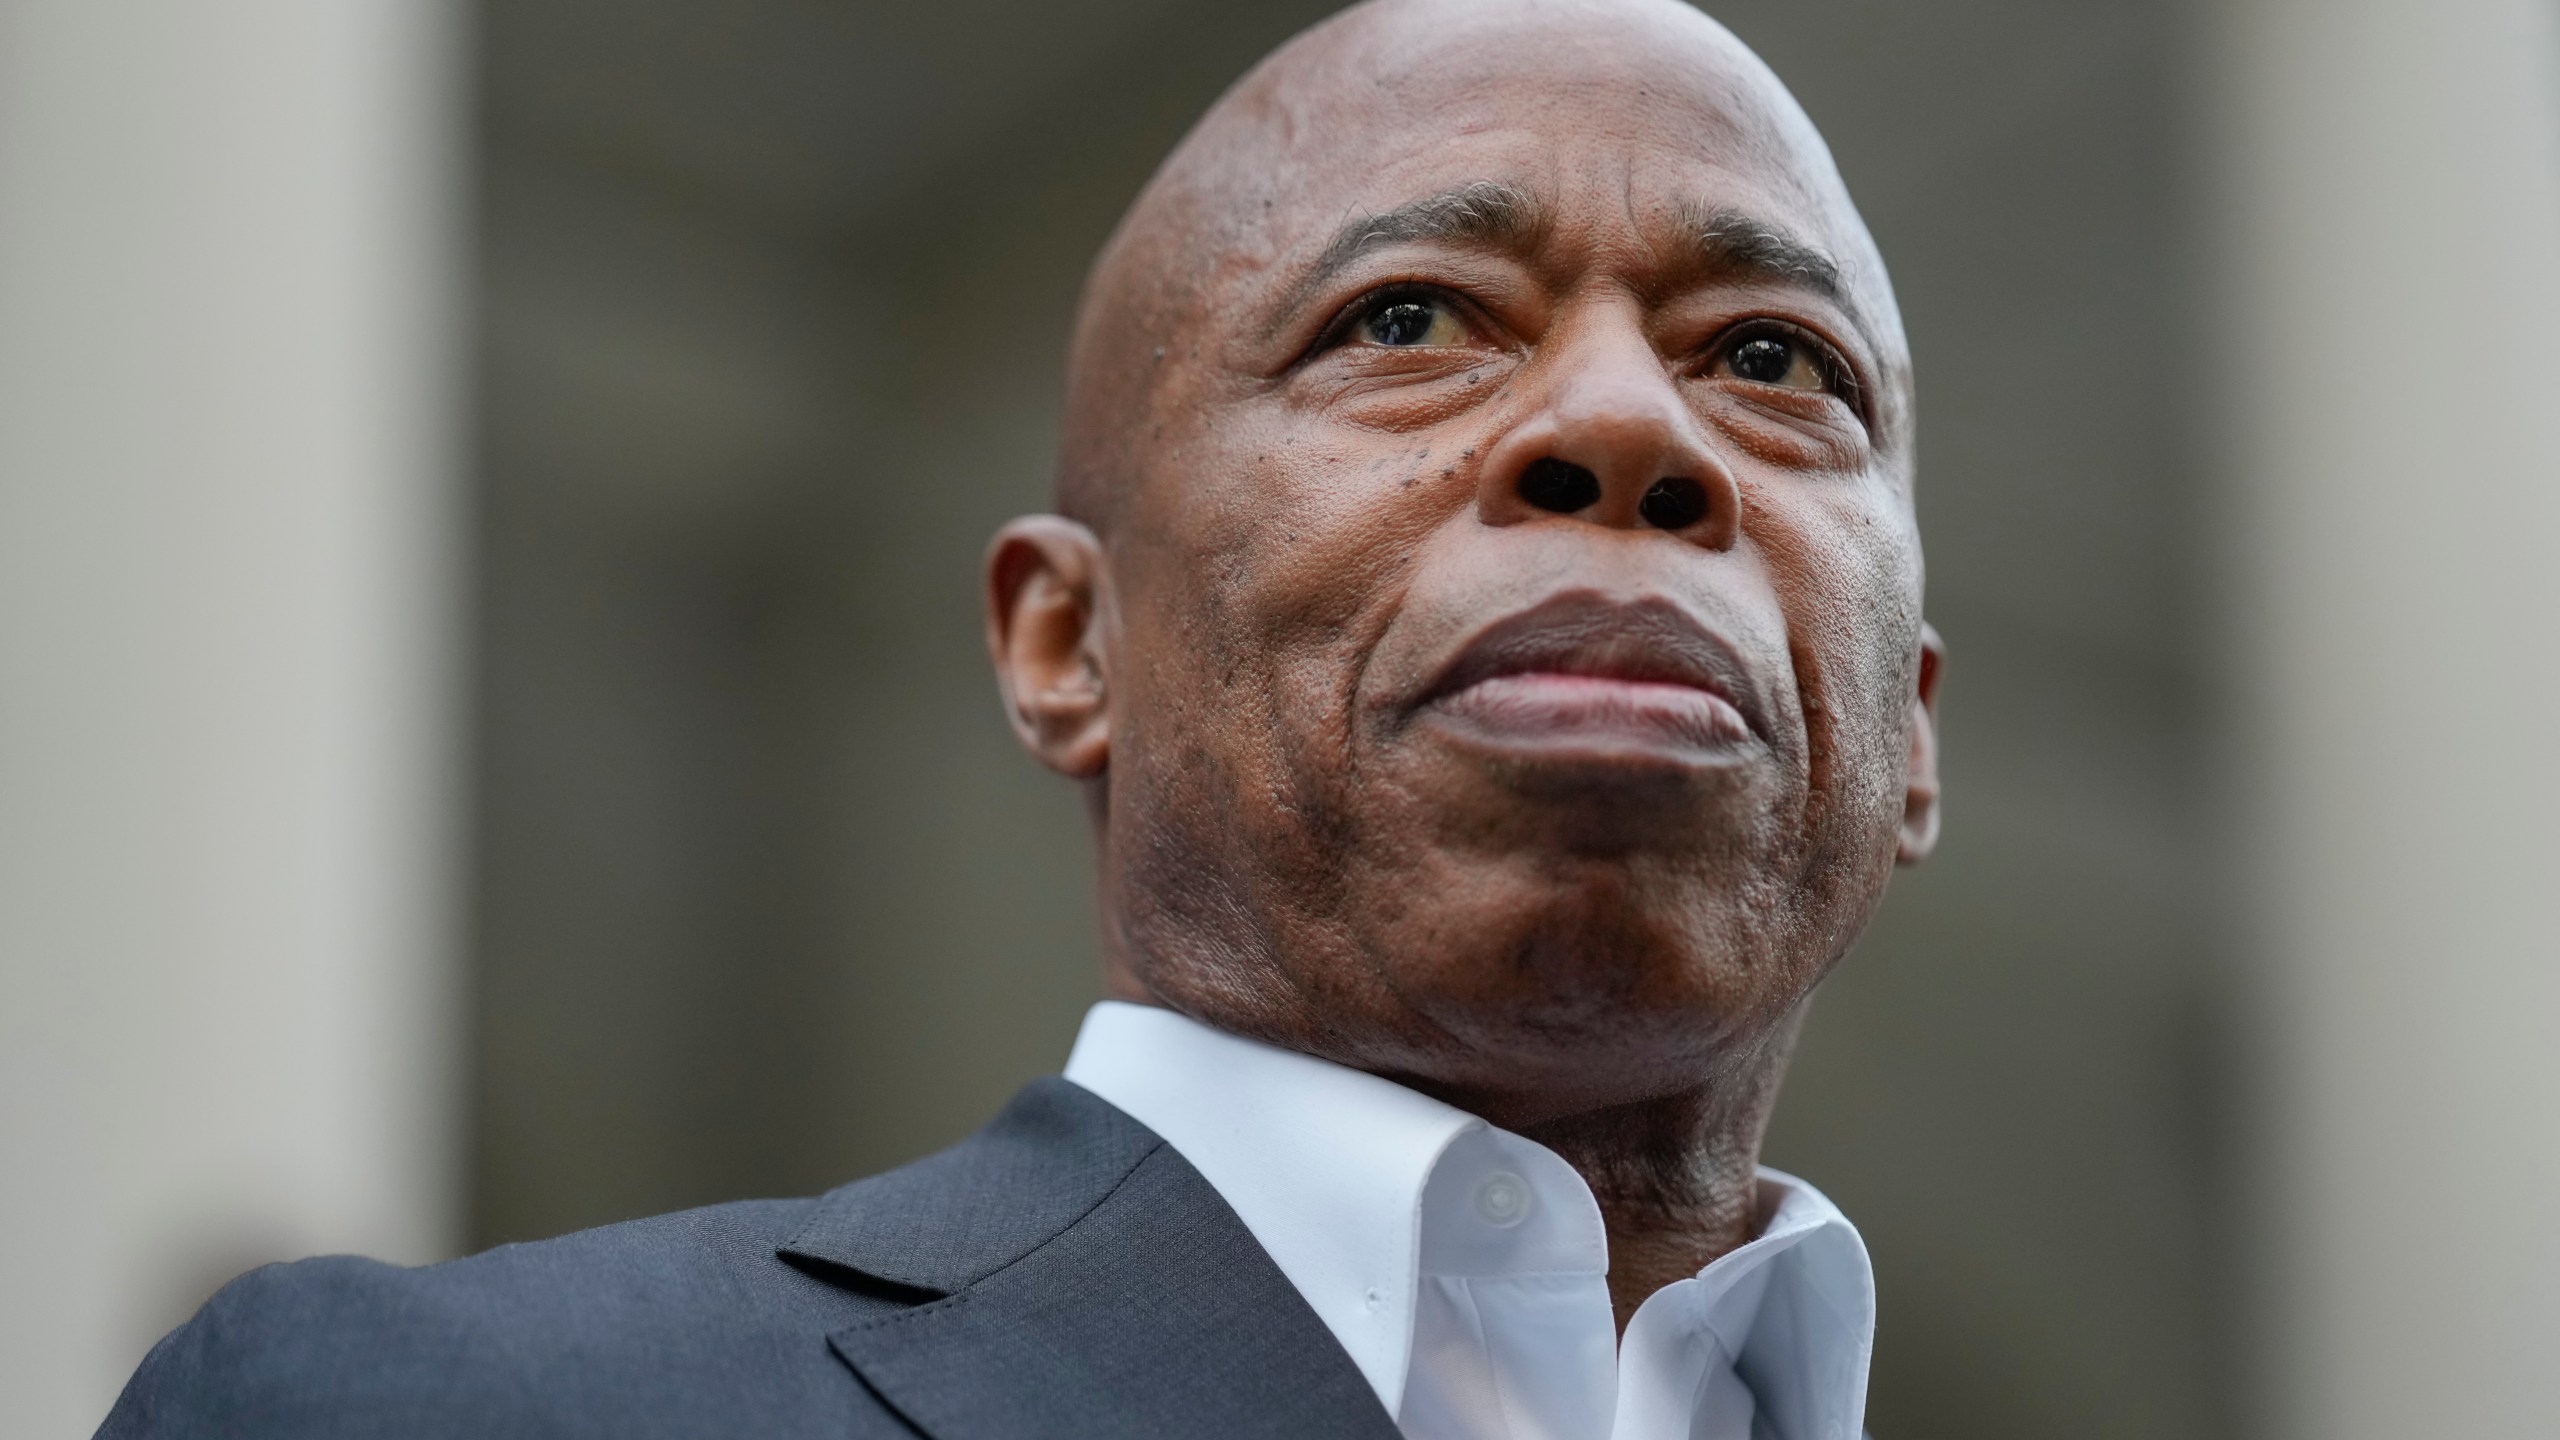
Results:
<point x="1503" y="1199"/>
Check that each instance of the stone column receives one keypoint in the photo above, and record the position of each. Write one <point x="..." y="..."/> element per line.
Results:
<point x="2384" y="343"/>
<point x="229" y="241"/>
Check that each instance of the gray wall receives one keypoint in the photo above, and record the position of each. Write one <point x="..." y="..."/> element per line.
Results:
<point x="774" y="301"/>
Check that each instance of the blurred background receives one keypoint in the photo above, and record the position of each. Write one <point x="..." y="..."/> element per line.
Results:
<point x="494" y="736"/>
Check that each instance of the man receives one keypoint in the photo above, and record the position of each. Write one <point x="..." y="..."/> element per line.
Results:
<point x="1485" y="618"/>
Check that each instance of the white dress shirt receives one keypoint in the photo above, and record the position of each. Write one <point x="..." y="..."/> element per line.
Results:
<point x="1465" y="1268"/>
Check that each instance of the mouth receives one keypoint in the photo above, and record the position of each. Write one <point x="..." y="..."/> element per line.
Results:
<point x="1585" y="674"/>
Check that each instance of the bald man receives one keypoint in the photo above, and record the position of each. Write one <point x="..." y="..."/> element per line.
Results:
<point x="1484" y="617"/>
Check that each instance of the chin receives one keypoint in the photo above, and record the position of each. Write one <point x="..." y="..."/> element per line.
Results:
<point x="1623" y="804"/>
<point x="1587" y="976"/>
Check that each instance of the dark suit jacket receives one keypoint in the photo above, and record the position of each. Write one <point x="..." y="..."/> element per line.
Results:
<point x="1061" y="1273"/>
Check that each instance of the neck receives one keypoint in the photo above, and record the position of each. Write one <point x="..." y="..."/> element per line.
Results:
<point x="1676" y="1175"/>
<point x="1676" y="1180"/>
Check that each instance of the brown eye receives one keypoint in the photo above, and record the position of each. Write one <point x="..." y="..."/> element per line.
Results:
<point x="1774" y="360"/>
<point x="1409" y="322"/>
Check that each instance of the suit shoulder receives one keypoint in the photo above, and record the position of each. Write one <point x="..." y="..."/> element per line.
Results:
<point x="544" y="1338"/>
<point x="332" y="1346"/>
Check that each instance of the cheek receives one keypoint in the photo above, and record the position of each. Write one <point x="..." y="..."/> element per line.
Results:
<point x="1845" y="568"/>
<point x="1307" y="542"/>
<point x="1257" y="604"/>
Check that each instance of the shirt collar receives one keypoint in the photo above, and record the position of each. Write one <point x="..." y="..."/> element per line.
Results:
<point x="1325" y="1165"/>
<point x="1791" y="1313"/>
<point x="1339" y="1175"/>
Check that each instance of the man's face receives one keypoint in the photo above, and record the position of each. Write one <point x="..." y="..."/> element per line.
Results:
<point x="1515" y="630"/>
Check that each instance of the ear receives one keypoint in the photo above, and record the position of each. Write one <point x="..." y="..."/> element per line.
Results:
<point x="1920" y="792"/>
<point x="1045" y="603"/>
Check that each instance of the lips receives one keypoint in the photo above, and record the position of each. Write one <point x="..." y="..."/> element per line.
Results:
<point x="1585" y="672"/>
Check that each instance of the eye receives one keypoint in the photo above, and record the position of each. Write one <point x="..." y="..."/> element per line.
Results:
<point x="1775" y="359"/>
<point x="1404" y="322"/>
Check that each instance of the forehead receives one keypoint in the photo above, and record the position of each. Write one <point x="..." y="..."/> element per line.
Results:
<point x="1600" y="98"/>
<point x="1618" y="115"/>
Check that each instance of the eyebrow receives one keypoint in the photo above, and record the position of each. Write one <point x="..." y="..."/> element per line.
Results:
<point x="1729" y="242"/>
<point x="1498" y="215"/>
<point x="1483" y="212"/>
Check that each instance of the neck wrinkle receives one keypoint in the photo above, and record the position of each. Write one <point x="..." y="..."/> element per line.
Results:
<point x="1676" y="1177"/>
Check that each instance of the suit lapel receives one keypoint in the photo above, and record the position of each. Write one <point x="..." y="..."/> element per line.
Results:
<point x="1090" y="1284"/>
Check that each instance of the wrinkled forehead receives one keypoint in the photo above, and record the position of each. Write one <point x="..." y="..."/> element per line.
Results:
<point x="1650" y="107"/>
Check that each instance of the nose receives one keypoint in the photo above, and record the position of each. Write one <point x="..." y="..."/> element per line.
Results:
<point x="1609" y="440"/>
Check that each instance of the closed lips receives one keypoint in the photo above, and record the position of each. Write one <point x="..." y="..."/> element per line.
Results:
<point x="1588" y="666"/>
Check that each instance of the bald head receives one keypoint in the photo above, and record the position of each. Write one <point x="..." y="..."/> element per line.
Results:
<point x="1293" y="162"/>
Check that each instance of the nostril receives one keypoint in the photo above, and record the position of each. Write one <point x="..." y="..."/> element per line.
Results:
<point x="1674" y="503"/>
<point x="1560" y="486"/>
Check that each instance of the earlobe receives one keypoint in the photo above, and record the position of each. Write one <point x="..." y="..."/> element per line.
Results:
<point x="1920" y="792"/>
<point x="1046" y="602"/>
